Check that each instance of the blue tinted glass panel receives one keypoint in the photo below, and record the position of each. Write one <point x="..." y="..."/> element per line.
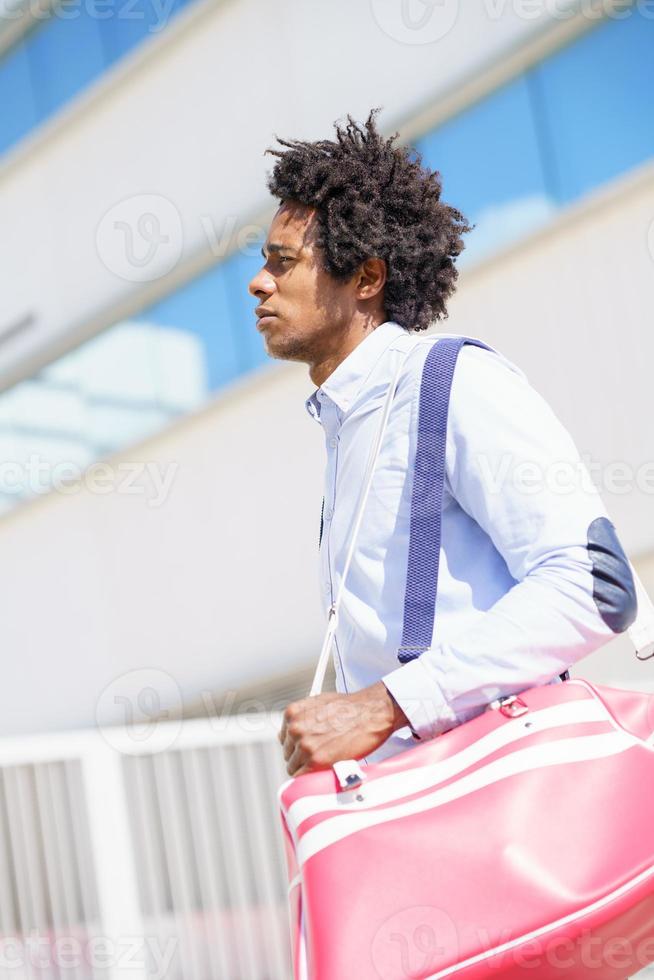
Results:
<point x="17" y="109"/>
<point x="239" y="270"/>
<point x="201" y="310"/>
<point x="175" y="6"/>
<point x="597" y="100"/>
<point x="66" y="54"/>
<point x="132" y="21"/>
<point x="492" y="166"/>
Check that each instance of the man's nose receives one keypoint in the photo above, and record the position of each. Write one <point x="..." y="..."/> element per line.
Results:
<point x="262" y="284"/>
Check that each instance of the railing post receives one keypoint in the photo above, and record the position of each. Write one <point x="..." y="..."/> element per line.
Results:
<point x="120" y="915"/>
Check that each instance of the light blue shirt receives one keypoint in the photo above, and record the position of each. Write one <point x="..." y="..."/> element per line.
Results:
<point x="518" y="598"/>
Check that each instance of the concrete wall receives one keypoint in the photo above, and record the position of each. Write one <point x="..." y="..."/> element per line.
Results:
<point x="574" y="307"/>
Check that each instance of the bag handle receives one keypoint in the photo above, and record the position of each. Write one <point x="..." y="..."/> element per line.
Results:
<point x="641" y="631"/>
<point x="332" y="620"/>
<point x="426" y="501"/>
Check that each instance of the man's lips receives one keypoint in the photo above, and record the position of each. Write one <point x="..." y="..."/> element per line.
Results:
<point x="265" y="320"/>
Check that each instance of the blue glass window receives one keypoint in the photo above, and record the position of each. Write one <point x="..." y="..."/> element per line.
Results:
<point x="66" y="54"/>
<point x="576" y="120"/>
<point x="492" y="167"/>
<point x="136" y="377"/>
<point x="239" y="270"/>
<point x="131" y="21"/>
<point x="597" y="103"/>
<point x="200" y="310"/>
<point x="18" y="111"/>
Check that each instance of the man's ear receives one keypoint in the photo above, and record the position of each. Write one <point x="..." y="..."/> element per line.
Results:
<point x="371" y="278"/>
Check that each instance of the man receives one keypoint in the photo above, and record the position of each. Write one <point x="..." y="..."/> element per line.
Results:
<point x="359" y="260"/>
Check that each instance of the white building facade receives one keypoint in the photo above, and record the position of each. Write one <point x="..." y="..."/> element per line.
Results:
<point x="133" y="202"/>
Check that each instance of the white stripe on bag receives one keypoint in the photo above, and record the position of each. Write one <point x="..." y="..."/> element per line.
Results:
<point x="396" y="786"/>
<point x="565" y="750"/>
<point x="550" y="927"/>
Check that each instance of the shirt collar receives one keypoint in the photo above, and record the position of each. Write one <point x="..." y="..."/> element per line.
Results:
<point x="345" y="382"/>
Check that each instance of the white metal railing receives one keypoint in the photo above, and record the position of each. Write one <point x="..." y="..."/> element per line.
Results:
<point x="158" y="857"/>
<point x="155" y="855"/>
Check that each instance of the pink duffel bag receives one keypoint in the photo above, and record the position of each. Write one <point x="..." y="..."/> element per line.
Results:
<point x="518" y="844"/>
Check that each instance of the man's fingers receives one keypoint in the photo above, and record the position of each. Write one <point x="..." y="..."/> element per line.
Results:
<point x="289" y="714"/>
<point x="288" y="747"/>
<point x="295" y="760"/>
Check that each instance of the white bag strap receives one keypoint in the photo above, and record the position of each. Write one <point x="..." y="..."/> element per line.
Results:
<point x="319" y="676"/>
<point x="641" y="631"/>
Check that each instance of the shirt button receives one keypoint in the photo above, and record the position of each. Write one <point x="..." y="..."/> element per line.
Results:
<point x="333" y="443"/>
<point x="329" y="513"/>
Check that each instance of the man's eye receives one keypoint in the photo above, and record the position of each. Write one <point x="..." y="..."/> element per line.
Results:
<point x="285" y="258"/>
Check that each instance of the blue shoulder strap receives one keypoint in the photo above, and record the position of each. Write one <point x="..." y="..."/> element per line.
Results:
<point x="427" y="497"/>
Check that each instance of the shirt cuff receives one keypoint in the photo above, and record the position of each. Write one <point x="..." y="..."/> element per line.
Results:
<point x="421" y="699"/>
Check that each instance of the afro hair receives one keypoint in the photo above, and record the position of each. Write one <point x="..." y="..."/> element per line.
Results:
<point x="377" y="200"/>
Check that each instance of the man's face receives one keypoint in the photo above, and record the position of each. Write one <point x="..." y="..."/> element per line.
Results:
<point x="303" y="312"/>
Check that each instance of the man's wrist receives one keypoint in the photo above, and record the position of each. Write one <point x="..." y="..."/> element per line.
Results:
<point x="397" y="717"/>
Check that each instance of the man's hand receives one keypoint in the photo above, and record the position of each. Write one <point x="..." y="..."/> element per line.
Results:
<point x="319" y="731"/>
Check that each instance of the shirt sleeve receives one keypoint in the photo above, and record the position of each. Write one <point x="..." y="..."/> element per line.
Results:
<point x="513" y="467"/>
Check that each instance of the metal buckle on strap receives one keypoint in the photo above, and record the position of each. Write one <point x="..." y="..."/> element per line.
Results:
<point x="511" y="707"/>
<point x="349" y="773"/>
<point x="648" y="650"/>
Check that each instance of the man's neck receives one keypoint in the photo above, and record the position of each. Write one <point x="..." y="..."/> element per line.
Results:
<point x="320" y="370"/>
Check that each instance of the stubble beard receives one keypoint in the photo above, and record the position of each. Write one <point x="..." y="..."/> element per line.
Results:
<point x="291" y="347"/>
